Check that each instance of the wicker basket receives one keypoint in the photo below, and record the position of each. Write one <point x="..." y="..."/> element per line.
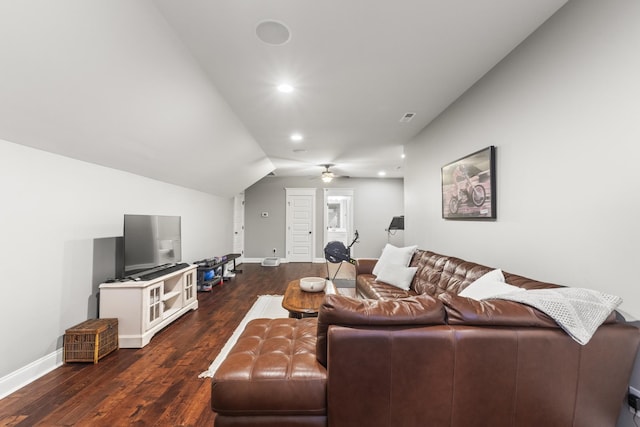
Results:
<point x="91" y="340"/>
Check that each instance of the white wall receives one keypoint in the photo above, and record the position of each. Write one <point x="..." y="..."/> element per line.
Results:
<point x="110" y="82"/>
<point x="52" y="211"/>
<point x="563" y="112"/>
<point x="376" y="201"/>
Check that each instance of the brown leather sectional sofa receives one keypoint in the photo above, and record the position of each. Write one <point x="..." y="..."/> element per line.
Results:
<point x="424" y="357"/>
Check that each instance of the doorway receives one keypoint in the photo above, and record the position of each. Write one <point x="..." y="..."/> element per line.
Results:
<point x="338" y="216"/>
<point x="238" y="227"/>
<point x="300" y="224"/>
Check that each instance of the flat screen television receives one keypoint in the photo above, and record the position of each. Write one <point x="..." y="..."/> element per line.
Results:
<point x="150" y="241"/>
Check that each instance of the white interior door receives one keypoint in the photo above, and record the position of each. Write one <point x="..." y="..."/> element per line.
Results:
<point x="338" y="216"/>
<point x="238" y="227"/>
<point x="300" y="224"/>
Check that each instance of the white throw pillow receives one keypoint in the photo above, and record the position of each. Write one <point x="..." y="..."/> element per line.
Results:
<point x="392" y="255"/>
<point x="397" y="275"/>
<point x="493" y="275"/>
<point x="488" y="286"/>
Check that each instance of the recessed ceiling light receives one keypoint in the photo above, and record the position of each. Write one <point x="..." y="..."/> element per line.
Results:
<point x="273" y="32"/>
<point x="382" y="173"/>
<point x="402" y="156"/>
<point x="285" y="88"/>
<point x="296" y="137"/>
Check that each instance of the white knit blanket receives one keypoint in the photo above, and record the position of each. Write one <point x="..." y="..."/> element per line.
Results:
<point x="578" y="311"/>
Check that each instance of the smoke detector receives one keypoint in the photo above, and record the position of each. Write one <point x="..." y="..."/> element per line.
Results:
<point x="407" y="117"/>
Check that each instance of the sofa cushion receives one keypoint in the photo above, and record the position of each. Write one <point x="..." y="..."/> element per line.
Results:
<point x="578" y="311"/>
<point x="466" y="311"/>
<point x="397" y="275"/>
<point x="272" y="370"/>
<point x="368" y="287"/>
<point x="345" y="311"/>
<point x="495" y="312"/>
<point x="365" y="265"/>
<point x="458" y="274"/>
<point x="430" y="266"/>
<point x="392" y="255"/>
<point x="439" y="273"/>
<point x="526" y="283"/>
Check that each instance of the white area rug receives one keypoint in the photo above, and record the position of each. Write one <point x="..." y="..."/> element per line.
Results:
<point x="266" y="307"/>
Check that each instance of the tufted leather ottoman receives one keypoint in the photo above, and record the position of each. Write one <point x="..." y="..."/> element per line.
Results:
<point x="271" y="377"/>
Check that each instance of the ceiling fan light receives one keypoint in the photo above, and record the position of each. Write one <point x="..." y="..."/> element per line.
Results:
<point x="327" y="177"/>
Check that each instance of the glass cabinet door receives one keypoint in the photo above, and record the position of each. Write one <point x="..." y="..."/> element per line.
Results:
<point x="189" y="287"/>
<point x="154" y="304"/>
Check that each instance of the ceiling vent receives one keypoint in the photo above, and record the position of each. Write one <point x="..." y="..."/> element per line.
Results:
<point x="407" y="117"/>
<point x="273" y="32"/>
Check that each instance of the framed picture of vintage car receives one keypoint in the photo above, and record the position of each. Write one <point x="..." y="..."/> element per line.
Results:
<point x="469" y="186"/>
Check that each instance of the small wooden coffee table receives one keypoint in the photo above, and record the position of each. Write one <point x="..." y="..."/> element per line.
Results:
<point x="304" y="304"/>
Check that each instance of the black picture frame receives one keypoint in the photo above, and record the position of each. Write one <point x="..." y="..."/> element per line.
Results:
<point x="469" y="186"/>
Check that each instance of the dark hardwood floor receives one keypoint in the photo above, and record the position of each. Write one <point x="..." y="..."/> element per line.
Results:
<point x="157" y="385"/>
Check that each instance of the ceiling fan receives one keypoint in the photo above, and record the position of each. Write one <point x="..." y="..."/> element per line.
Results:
<point x="326" y="174"/>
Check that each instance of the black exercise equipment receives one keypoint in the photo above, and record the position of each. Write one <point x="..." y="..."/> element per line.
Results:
<point x="336" y="252"/>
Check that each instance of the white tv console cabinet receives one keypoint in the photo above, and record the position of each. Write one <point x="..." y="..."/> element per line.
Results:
<point x="145" y="307"/>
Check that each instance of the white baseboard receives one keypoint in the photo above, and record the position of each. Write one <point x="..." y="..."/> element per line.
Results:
<point x="282" y="260"/>
<point x="29" y="373"/>
<point x="259" y="260"/>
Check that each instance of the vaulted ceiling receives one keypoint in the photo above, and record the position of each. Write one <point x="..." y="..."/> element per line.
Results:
<point x="186" y="92"/>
